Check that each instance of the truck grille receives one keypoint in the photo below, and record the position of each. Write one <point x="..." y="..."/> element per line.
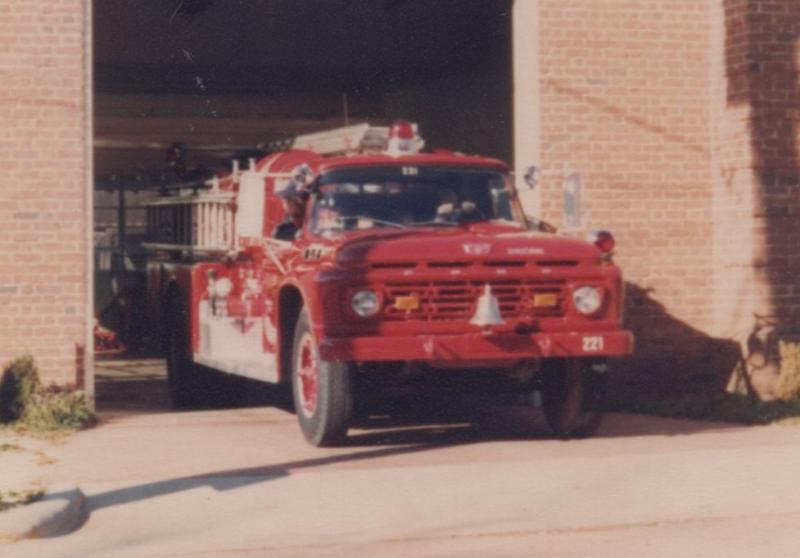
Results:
<point x="456" y="300"/>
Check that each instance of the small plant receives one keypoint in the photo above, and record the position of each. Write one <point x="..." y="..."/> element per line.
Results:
<point x="26" y="405"/>
<point x="19" y="383"/>
<point x="57" y="409"/>
<point x="787" y="387"/>
<point x="13" y="498"/>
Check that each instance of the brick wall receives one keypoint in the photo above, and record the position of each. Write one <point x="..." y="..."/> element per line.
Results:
<point x="756" y="99"/>
<point x="626" y="103"/>
<point x="43" y="127"/>
<point x="681" y="117"/>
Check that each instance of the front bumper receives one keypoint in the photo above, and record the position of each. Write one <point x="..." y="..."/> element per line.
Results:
<point x="477" y="346"/>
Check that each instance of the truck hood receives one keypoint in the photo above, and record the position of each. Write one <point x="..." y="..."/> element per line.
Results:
<point x="498" y="243"/>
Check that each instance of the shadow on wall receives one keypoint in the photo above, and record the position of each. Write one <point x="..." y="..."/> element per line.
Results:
<point x="670" y="355"/>
<point x="761" y="50"/>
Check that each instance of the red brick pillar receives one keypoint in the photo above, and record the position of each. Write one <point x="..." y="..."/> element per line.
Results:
<point x="44" y="172"/>
<point x="757" y="180"/>
<point x="626" y="97"/>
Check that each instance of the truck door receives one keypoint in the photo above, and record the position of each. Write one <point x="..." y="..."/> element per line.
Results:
<point x="278" y="252"/>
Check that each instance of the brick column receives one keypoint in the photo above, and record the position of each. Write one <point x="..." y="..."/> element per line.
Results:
<point x="757" y="180"/>
<point x="44" y="159"/>
<point x="626" y="103"/>
<point x="682" y="119"/>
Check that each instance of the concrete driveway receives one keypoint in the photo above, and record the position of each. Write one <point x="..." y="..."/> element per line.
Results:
<point x="241" y="482"/>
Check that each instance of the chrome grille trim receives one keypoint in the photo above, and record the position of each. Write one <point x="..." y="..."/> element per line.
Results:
<point x="456" y="300"/>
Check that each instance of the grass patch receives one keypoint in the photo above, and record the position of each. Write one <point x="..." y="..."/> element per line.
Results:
<point x="723" y="407"/>
<point x="9" y="447"/>
<point x="57" y="409"/>
<point x="27" y="406"/>
<point x="787" y="387"/>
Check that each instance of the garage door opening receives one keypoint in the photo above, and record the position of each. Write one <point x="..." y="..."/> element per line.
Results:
<point x="185" y="86"/>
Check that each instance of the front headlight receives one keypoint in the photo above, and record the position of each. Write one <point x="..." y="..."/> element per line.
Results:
<point x="587" y="299"/>
<point x="365" y="303"/>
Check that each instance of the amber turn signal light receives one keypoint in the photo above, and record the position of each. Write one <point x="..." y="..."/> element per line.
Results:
<point x="545" y="300"/>
<point x="407" y="303"/>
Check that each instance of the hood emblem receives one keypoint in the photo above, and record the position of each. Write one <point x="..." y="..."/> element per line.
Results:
<point x="526" y="251"/>
<point x="477" y="248"/>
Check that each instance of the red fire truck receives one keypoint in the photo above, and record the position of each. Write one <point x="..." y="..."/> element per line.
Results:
<point x="399" y="262"/>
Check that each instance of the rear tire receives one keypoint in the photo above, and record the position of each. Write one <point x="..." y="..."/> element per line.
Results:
<point x="322" y="390"/>
<point x="188" y="382"/>
<point x="573" y="397"/>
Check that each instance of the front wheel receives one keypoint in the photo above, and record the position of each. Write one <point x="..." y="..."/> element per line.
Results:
<point x="573" y="396"/>
<point x="322" y="390"/>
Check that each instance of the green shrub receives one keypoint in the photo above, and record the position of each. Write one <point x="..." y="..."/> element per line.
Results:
<point x="26" y="405"/>
<point x="787" y="387"/>
<point x="18" y="385"/>
<point x="58" y="409"/>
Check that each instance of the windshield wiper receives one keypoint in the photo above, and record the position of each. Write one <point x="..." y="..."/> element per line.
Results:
<point x="433" y="224"/>
<point x="371" y="219"/>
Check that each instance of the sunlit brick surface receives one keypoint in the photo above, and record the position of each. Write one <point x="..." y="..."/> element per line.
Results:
<point x="681" y="117"/>
<point x="43" y="129"/>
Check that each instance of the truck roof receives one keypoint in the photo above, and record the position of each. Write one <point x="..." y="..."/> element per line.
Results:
<point x="439" y="158"/>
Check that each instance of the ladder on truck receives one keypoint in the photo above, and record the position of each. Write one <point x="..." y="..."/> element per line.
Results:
<point x="202" y="222"/>
<point x="350" y="140"/>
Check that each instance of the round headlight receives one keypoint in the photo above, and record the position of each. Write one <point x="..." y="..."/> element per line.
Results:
<point x="223" y="287"/>
<point x="365" y="303"/>
<point x="587" y="300"/>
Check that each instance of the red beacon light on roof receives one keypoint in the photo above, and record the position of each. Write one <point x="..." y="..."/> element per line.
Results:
<point x="604" y="240"/>
<point x="403" y="139"/>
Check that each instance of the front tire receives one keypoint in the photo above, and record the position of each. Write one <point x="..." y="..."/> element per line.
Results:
<point x="322" y="390"/>
<point x="573" y="396"/>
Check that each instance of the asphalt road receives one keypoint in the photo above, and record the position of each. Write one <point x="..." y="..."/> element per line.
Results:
<point x="241" y="482"/>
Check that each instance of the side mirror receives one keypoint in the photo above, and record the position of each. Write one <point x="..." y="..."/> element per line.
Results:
<point x="540" y="225"/>
<point x="531" y="176"/>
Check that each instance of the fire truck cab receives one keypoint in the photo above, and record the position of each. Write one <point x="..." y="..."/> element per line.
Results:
<point x="352" y="252"/>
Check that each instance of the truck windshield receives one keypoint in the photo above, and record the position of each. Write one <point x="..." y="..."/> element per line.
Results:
<point x="409" y="196"/>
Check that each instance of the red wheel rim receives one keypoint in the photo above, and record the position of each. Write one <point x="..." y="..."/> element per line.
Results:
<point x="308" y="375"/>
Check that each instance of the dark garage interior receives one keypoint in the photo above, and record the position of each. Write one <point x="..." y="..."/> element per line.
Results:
<point x="181" y="87"/>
